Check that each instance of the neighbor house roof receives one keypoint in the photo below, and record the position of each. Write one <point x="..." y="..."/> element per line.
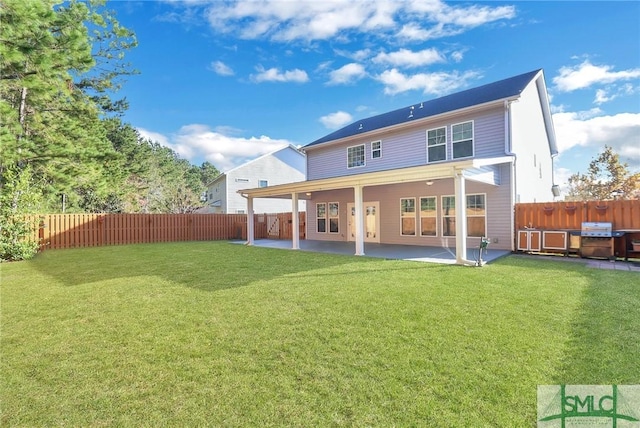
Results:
<point x="503" y="89"/>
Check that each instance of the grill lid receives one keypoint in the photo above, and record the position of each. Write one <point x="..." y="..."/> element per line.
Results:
<point x="600" y="229"/>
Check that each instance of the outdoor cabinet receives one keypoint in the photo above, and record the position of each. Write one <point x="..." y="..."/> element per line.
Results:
<point x="529" y="240"/>
<point x="554" y="240"/>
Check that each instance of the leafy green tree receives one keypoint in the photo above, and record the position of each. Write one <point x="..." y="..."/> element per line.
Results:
<point x="606" y="178"/>
<point x="208" y="173"/>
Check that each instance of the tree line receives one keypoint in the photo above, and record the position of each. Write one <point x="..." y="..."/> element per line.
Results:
<point x="63" y="144"/>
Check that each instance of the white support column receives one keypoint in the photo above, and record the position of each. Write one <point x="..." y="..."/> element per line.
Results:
<point x="461" y="220"/>
<point x="359" y="214"/>
<point x="250" y="221"/>
<point x="295" y="222"/>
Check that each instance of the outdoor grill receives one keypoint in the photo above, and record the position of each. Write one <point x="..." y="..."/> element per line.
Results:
<point x="596" y="240"/>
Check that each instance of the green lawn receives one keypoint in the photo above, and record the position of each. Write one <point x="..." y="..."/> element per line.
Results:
<point x="219" y="334"/>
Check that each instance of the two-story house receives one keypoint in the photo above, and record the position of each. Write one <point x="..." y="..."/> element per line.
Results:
<point x="443" y="172"/>
<point x="284" y="165"/>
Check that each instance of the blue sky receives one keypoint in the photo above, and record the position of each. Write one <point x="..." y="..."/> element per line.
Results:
<point x="227" y="81"/>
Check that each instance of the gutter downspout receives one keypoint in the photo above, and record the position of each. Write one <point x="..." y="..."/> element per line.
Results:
<point x="512" y="170"/>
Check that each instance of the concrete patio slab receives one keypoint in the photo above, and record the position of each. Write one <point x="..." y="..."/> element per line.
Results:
<point x="385" y="251"/>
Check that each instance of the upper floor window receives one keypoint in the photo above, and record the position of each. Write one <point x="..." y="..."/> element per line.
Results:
<point x="355" y="156"/>
<point x="437" y="144"/>
<point x="263" y="183"/>
<point x="462" y="140"/>
<point x="376" y="149"/>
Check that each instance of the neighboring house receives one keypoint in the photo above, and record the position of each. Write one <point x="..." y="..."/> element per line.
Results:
<point x="285" y="165"/>
<point x="443" y="172"/>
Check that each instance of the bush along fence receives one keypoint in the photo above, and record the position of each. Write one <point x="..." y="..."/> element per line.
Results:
<point x="56" y="231"/>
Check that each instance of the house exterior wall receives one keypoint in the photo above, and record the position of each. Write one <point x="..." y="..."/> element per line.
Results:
<point x="408" y="147"/>
<point x="284" y="166"/>
<point x="498" y="211"/>
<point x="534" y="165"/>
<point x="217" y="195"/>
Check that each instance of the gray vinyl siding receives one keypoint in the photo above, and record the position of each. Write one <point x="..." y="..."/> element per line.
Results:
<point x="498" y="206"/>
<point x="407" y="147"/>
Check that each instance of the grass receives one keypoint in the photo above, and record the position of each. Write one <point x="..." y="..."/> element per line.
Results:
<point x="217" y="334"/>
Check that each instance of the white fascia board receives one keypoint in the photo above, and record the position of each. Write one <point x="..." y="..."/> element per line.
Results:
<point x="394" y="176"/>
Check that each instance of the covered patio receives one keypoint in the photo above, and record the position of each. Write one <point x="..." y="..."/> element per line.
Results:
<point x="385" y="251"/>
<point x="480" y="170"/>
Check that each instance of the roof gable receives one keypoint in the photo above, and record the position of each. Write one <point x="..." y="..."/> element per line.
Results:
<point x="502" y="89"/>
<point x="277" y="153"/>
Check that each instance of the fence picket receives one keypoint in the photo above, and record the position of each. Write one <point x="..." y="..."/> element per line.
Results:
<point x="57" y="231"/>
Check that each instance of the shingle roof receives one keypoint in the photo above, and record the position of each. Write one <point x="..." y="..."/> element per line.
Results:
<point x="502" y="89"/>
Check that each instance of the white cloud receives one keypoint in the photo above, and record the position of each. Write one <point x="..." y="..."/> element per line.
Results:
<point x="586" y="74"/>
<point x="584" y="129"/>
<point x="346" y="74"/>
<point x="407" y="58"/>
<point x="449" y="20"/>
<point x="336" y="120"/>
<point x="430" y="83"/>
<point x="275" y="75"/>
<point x="198" y="142"/>
<point x="287" y="21"/>
<point x="221" y="68"/>
<point x="154" y="136"/>
<point x="359" y="55"/>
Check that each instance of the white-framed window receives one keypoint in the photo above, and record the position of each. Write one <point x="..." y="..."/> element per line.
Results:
<point x="321" y="217"/>
<point x="437" y="144"/>
<point x="476" y="215"/>
<point x="355" y="156"/>
<point x="408" y="216"/>
<point x="263" y="183"/>
<point x="376" y="149"/>
<point x="462" y="140"/>
<point x="448" y="216"/>
<point x="428" y="216"/>
<point x="334" y="217"/>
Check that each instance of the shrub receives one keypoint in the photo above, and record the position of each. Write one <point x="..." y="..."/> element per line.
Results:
<point x="17" y="198"/>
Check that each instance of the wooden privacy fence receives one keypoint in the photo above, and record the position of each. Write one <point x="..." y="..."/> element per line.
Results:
<point x="623" y="214"/>
<point x="90" y="230"/>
